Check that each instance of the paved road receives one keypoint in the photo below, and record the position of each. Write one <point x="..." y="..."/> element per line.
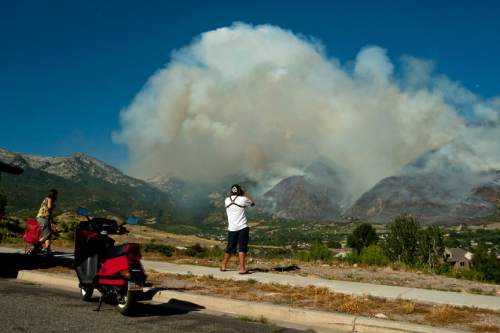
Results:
<point x="31" y="308"/>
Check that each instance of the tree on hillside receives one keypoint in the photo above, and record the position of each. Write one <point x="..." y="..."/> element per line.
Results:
<point x="401" y="240"/>
<point x="362" y="236"/>
<point x="3" y="204"/>
<point x="333" y="244"/>
<point x="430" y="246"/>
<point x="486" y="264"/>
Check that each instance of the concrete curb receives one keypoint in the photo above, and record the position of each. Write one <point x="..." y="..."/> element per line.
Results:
<point x="320" y="321"/>
<point x="61" y="280"/>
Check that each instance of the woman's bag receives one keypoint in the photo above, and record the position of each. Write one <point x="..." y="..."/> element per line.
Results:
<point x="32" y="232"/>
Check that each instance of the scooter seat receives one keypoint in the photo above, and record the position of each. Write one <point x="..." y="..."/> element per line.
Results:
<point x="115" y="251"/>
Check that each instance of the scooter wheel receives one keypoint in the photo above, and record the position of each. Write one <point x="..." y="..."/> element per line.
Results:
<point x="86" y="293"/>
<point x="126" y="302"/>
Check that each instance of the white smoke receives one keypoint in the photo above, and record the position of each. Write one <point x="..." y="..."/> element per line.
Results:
<point x="261" y="101"/>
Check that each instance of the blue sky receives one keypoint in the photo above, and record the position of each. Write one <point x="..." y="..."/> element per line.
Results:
<point x="67" y="68"/>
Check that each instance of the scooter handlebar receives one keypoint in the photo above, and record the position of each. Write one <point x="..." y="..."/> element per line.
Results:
<point x="122" y="230"/>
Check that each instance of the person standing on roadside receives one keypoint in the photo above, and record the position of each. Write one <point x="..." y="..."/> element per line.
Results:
<point x="44" y="218"/>
<point x="238" y="230"/>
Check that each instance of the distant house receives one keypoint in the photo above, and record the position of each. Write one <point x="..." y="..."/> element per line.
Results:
<point x="458" y="257"/>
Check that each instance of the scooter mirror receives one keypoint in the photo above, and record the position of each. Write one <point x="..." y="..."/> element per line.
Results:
<point x="132" y="220"/>
<point x="82" y="211"/>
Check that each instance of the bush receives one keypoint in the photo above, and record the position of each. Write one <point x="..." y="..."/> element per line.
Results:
<point x="486" y="265"/>
<point x="193" y="251"/>
<point x="372" y="255"/>
<point x="332" y="244"/>
<point x="164" y="249"/>
<point x="364" y="235"/>
<point x="318" y="251"/>
<point x="67" y="229"/>
<point x="214" y="252"/>
<point x="271" y="252"/>
<point x="3" y="204"/>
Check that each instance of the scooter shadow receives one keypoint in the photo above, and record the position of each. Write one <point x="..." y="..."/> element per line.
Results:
<point x="145" y="309"/>
<point x="172" y="307"/>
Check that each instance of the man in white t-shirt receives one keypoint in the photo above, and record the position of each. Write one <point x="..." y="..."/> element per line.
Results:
<point x="238" y="231"/>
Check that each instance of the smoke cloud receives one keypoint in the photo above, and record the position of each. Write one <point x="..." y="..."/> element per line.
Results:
<point x="265" y="102"/>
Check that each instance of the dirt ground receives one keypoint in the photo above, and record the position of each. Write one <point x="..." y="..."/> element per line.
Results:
<point x="324" y="300"/>
<point x="144" y="234"/>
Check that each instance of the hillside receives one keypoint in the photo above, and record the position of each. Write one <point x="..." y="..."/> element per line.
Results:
<point x="81" y="181"/>
<point x="319" y="194"/>
<point x="432" y="197"/>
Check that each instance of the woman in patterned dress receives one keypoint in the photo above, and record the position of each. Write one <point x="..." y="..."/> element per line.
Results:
<point x="44" y="218"/>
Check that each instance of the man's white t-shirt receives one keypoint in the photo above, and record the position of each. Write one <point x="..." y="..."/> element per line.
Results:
<point x="236" y="216"/>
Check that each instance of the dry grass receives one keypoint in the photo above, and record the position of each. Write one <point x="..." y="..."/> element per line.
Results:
<point x="58" y="269"/>
<point x="323" y="299"/>
<point x="408" y="307"/>
<point x="445" y="314"/>
<point x="484" y="328"/>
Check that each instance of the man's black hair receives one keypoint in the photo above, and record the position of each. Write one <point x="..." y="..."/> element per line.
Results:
<point x="236" y="190"/>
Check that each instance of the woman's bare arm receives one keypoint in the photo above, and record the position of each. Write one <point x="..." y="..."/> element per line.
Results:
<point x="252" y="202"/>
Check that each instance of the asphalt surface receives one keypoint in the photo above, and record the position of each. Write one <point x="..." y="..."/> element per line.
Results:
<point x="33" y="308"/>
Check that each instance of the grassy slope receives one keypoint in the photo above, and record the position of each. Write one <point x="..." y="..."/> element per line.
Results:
<point x="25" y="193"/>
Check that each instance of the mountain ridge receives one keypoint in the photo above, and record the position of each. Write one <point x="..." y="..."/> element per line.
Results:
<point x="82" y="181"/>
<point x="319" y="193"/>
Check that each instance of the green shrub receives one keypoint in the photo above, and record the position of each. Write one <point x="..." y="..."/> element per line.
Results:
<point x="373" y="255"/>
<point x="302" y="256"/>
<point x="318" y="251"/>
<point x="67" y="229"/>
<point x="3" y="204"/>
<point x="214" y="252"/>
<point x="486" y="265"/>
<point x="198" y="251"/>
<point x="352" y="258"/>
<point x="362" y="236"/>
<point x="10" y="232"/>
<point x="333" y="244"/>
<point x="164" y="249"/>
<point x="270" y="252"/>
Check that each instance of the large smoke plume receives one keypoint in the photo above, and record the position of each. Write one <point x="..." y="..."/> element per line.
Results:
<point x="262" y="101"/>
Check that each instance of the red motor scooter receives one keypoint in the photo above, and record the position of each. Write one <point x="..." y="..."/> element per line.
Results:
<point x="115" y="271"/>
